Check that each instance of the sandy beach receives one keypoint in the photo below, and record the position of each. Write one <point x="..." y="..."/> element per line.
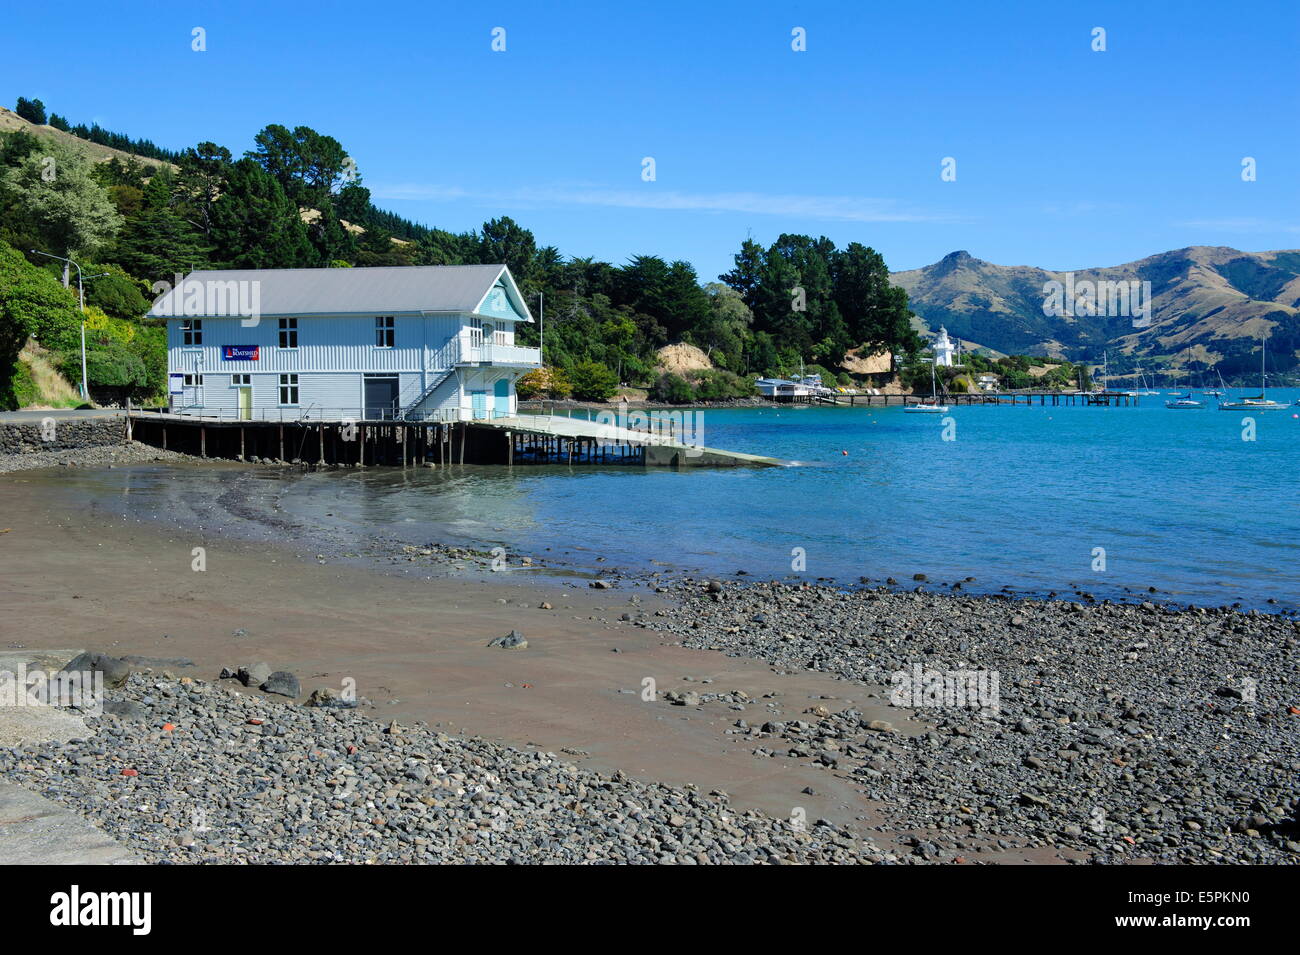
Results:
<point x="775" y="695"/>
<point x="417" y="648"/>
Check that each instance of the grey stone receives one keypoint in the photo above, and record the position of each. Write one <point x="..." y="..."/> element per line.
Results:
<point x="514" y="640"/>
<point x="254" y="674"/>
<point x="283" y="683"/>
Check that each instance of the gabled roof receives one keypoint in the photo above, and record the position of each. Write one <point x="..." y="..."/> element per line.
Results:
<point x="366" y="291"/>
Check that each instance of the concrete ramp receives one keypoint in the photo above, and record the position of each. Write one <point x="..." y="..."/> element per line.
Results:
<point x="657" y="449"/>
<point x="37" y="831"/>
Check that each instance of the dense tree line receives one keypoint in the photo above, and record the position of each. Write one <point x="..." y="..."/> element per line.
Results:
<point x="297" y="200"/>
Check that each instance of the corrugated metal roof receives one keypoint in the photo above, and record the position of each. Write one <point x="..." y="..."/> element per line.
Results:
<point x="439" y="288"/>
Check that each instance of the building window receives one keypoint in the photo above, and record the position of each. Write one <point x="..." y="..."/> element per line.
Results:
<point x="288" y="389"/>
<point x="384" y="331"/>
<point x="237" y="380"/>
<point x="193" y="381"/>
<point x="192" y="332"/>
<point x="288" y="333"/>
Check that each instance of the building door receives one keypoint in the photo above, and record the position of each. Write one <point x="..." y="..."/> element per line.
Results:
<point x="478" y="404"/>
<point x="501" y="392"/>
<point x="381" y="397"/>
<point x="193" y="392"/>
<point x="245" y="403"/>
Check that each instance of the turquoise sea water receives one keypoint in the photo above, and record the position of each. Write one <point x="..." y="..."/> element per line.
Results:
<point x="1021" y="498"/>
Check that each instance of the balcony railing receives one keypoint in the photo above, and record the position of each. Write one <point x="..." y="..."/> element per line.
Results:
<point x="499" y="354"/>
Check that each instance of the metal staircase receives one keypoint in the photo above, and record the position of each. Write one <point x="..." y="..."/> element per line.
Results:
<point x="438" y="378"/>
<point x="442" y="367"/>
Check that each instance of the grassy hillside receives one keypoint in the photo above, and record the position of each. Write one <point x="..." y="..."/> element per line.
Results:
<point x="38" y="382"/>
<point x="11" y="122"/>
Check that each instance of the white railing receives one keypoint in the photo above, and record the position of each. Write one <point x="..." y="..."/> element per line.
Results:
<point x="315" y="415"/>
<point x="499" y="354"/>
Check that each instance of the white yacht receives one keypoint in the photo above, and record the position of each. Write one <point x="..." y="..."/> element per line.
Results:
<point x="1259" y="402"/>
<point x="928" y="405"/>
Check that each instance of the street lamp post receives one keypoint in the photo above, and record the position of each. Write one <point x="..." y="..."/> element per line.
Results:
<point x="81" y="298"/>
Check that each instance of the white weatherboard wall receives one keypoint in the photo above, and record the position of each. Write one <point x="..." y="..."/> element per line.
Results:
<point x="334" y="355"/>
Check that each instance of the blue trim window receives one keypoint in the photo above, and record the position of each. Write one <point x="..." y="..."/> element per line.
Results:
<point x="289" y="390"/>
<point x="192" y="333"/>
<point x="384" y="331"/>
<point x="288" y="333"/>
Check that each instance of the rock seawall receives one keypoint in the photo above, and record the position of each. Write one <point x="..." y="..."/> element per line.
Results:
<point x="33" y="437"/>
<point x="73" y="442"/>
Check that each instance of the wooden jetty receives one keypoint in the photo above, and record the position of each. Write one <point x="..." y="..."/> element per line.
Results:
<point x="507" y="440"/>
<point x="1042" y="398"/>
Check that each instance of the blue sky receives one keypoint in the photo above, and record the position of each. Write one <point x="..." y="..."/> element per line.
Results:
<point x="1065" y="157"/>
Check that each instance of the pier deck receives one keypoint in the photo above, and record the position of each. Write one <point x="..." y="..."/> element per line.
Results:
<point x="508" y="440"/>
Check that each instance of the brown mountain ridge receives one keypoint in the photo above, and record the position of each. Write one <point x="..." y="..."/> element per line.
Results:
<point x="1209" y="305"/>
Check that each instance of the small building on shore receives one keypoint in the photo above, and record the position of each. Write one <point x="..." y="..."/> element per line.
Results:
<point x="783" y="388"/>
<point x="409" y="343"/>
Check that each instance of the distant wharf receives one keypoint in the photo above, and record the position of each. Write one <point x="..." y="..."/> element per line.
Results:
<point x="1044" y="398"/>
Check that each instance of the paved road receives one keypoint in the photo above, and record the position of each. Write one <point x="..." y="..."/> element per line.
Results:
<point x="59" y="414"/>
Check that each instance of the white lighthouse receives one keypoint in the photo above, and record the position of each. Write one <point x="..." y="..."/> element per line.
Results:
<point x="944" y="348"/>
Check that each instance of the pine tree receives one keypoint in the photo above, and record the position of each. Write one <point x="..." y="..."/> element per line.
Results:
<point x="157" y="242"/>
<point x="256" y="226"/>
<point x="32" y="110"/>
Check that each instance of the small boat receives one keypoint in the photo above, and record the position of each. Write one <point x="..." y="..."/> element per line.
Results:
<point x="1143" y="388"/>
<point x="928" y="405"/>
<point x="1259" y="402"/>
<point x="1255" y="403"/>
<point x="1180" y="401"/>
<point x="925" y="407"/>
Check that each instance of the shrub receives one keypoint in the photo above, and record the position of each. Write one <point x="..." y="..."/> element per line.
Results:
<point x="715" y="384"/>
<point x="117" y="294"/>
<point x="672" y="389"/>
<point x="111" y="366"/>
<point x="592" y="381"/>
<point x="543" y="383"/>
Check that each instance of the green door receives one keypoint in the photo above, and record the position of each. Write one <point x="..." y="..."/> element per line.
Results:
<point x="478" y="404"/>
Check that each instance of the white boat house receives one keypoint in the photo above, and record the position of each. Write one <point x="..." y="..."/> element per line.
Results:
<point x="414" y="343"/>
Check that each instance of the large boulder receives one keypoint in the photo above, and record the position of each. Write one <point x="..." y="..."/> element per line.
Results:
<point x="254" y="674"/>
<point x="115" y="669"/>
<point x="283" y="683"/>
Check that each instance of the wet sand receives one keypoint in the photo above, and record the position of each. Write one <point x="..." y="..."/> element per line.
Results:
<point x="417" y="649"/>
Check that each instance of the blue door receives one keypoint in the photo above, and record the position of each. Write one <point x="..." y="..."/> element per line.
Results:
<point x="501" y="391"/>
<point x="478" y="404"/>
